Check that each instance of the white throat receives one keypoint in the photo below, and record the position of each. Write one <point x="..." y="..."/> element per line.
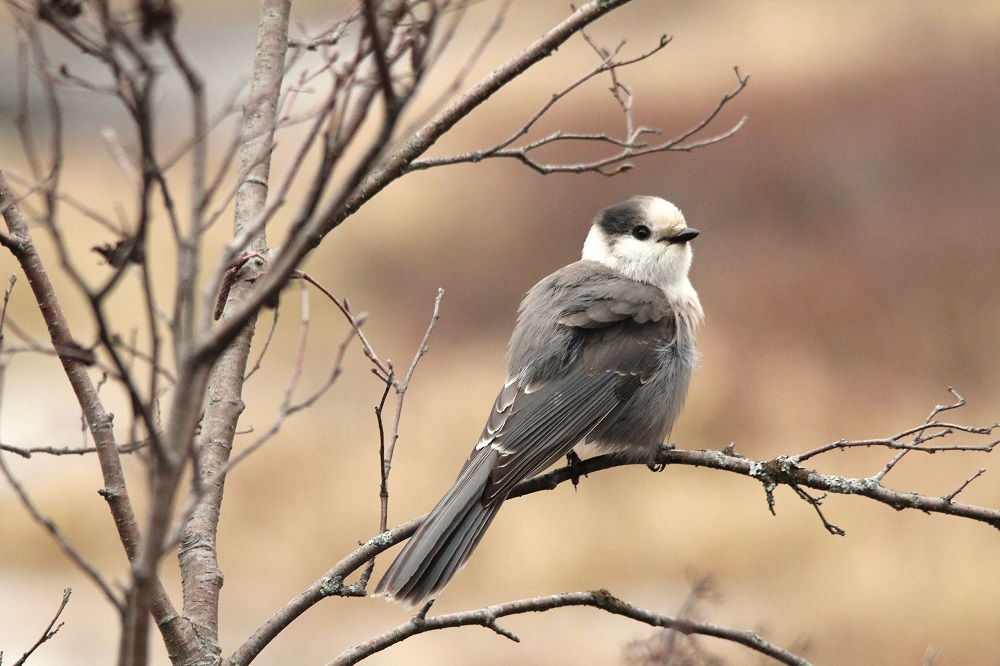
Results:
<point x="653" y="263"/>
<point x="664" y="266"/>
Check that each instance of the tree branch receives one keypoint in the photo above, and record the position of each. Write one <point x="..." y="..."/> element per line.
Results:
<point x="312" y="225"/>
<point x="98" y="419"/>
<point x="784" y="470"/>
<point x="50" y="630"/>
<point x="632" y="144"/>
<point x="56" y="533"/>
<point x="600" y="599"/>
<point x="772" y="473"/>
<point x="197" y="554"/>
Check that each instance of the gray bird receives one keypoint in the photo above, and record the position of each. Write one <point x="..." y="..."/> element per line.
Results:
<point x="602" y="353"/>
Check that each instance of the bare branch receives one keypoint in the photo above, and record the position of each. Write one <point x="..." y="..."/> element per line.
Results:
<point x="222" y="387"/>
<point x="965" y="484"/>
<point x="356" y="322"/>
<point x="959" y="402"/>
<point x="98" y="419"/>
<point x="371" y="176"/>
<point x="401" y="387"/>
<point x="600" y="599"/>
<point x="383" y="467"/>
<point x="919" y="437"/>
<point x="28" y="451"/>
<point x="784" y="470"/>
<point x="815" y="503"/>
<point x="328" y="38"/>
<point x="780" y="471"/>
<point x="50" y="631"/>
<point x="631" y="144"/>
<point x="386" y="451"/>
<point x="378" y="52"/>
<point x="385" y="372"/>
<point x="773" y="473"/>
<point x="57" y="534"/>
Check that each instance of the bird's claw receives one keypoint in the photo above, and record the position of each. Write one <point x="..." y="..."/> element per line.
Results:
<point x="573" y="461"/>
<point x="659" y="467"/>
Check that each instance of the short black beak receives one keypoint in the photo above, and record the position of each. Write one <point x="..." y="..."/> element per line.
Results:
<point x="682" y="237"/>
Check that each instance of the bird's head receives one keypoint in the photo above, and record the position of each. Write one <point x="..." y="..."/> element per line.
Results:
<point x="645" y="238"/>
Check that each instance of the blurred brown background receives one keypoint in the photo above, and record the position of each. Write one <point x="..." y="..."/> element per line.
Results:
<point x="848" y="269"/>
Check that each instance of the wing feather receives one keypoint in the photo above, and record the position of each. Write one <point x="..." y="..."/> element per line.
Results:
<point x="554" y="419"/>
<point x="617" y="330"/>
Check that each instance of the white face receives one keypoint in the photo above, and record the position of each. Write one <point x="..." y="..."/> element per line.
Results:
<point x="653" y="260"/>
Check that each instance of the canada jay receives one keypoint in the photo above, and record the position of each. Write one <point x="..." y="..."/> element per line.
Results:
<point x="602" y="353"/>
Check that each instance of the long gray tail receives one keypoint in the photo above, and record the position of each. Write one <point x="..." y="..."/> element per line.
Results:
<point x="441" y="546"/>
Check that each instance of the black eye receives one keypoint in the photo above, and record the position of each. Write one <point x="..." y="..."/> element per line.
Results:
<point x="641" y="232"/>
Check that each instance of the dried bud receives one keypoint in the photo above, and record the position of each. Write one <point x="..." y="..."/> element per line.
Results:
<point x="120" y="253"/>
<point x="67" y="9"/>
<point x="158" y="17"/>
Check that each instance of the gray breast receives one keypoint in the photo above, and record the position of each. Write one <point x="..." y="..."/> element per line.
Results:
<point x="649" y="417"/>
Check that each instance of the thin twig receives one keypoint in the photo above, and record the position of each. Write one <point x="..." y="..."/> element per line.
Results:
<point x="815" y="503"/>
<point x="50" y="631"/>
<point x="401" y="387"/>
<point x="630" y="144"/>
<point x="28" y="451"/>
<point x="953" y="494"/>
<point x="265" y="346"/>
<point x="386" y="452"/>
<point x="99" y="420"/>
<point x="60" y="539"/>
<point x="383" y="492"/>
<point x="355" y="321"/>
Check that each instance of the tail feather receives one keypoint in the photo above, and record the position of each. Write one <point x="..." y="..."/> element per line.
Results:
<point x="455" y="553"/>
<point x="443" y="543"/>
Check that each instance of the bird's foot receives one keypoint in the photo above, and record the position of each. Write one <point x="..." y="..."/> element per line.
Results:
<point x="573" y="461"/>
<point x="659" y="466"/>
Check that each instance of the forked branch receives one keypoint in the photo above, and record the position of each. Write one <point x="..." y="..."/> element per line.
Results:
<point x="50" y="631"/>
<point x="632" y="143"/>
